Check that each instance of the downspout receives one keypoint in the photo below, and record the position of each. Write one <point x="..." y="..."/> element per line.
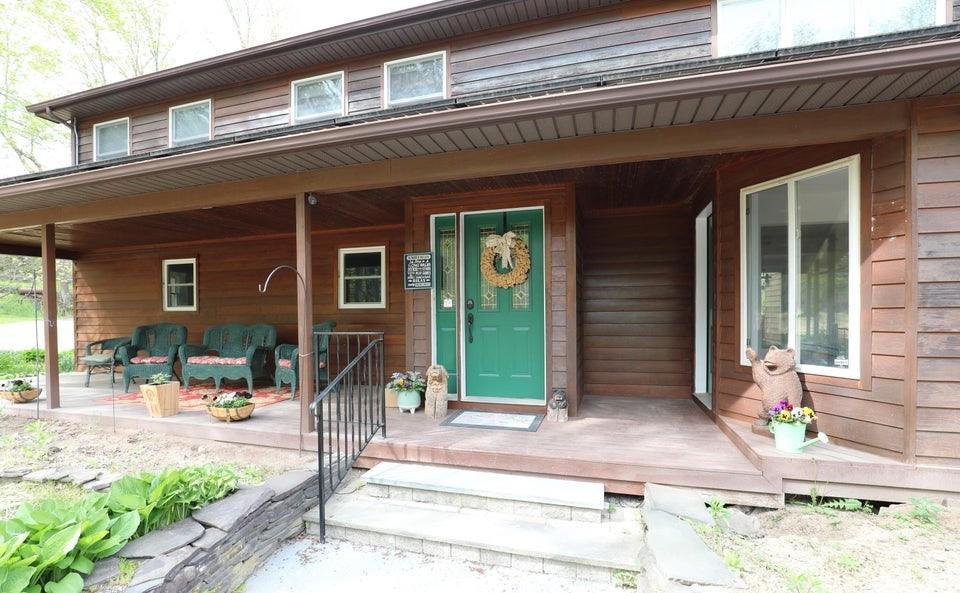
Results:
<point x="74" y="136"/>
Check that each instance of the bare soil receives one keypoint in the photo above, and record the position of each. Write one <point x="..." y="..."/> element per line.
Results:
<point x="26" y="444"/>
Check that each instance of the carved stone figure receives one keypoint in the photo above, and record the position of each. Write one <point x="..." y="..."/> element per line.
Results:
<point x="776" y="375"/>
<point x="435" y="405"/>
<point x="557" y="408"/>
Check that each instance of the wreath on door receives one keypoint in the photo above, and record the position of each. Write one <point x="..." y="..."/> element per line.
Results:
<point x="514" y="256"/>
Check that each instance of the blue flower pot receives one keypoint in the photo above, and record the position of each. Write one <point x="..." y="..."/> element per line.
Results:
<point x="408" y="400"/>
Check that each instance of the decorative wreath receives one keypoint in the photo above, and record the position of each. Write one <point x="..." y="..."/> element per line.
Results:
<point x="521" y="264"/>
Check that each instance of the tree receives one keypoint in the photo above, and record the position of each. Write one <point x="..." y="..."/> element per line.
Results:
<point x="254" y="21"/>
<point x="21" y="276"/>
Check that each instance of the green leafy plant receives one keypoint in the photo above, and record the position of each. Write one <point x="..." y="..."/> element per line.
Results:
<point x="849" y="504"/>
<point x="848" y="562"/>
<point x="625" y="578"/>
<point x="718" y="510"/>
<point x="158" y="379"/>
<point x="232" y="399"/>
<point x="125" y="570"/>
<point x="733" y="560"/>
<point x="40" y="437"/>
<point x="925" y="512"/>
<point x="803" y="583"/>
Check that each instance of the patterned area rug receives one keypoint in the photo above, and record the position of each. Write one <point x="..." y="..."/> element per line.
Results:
<point x="191" y="400"/>
<point x="495" y="420"/>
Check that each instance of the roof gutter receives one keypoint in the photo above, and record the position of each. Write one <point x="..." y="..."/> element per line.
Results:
<point x="877" y="62"/>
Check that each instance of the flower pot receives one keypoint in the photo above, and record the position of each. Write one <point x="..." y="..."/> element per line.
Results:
<point x="232" y="414"/>
<point x="408" y="400"/>
<point x="20" y="397"/>
<point x="162" y="400"/>
<point x="788" y="437"/>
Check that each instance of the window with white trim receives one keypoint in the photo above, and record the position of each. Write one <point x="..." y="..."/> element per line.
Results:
<point x="747" y="26"/>
<point x="800" y="267"/>
<point x="111" y="139"/>
<point x="191" y="123"/>
<point x="362" y="278"/>
<point x="420" y="78"/>
<point x="317" y="97"/>
<point x="180" y="284"/>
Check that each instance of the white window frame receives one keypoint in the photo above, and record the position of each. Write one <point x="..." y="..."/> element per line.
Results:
<point x="295" y="119"/>
<point x="166" y="264"/>
<point x="859" y="20"/>
<point x="853" y="164"/>
<point x="382" y="250"/>
<point x="388" y="102"/>
<point x="171" y="143"/>
<point x="96" y="142"/>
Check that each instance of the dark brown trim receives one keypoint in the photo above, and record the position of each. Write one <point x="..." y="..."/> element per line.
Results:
<point x="912" y="287"/>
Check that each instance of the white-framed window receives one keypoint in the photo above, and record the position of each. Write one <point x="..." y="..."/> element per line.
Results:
<point x="362" y="277"/>
<point x="191" y="122"/>
<point x="111" y="139"/>
<point x="747" y="26"/>
<point x="800" y="267"/>
<point x="180" y="284"/>
<point x="317" y="97"/>
<point x="411" y="80"/>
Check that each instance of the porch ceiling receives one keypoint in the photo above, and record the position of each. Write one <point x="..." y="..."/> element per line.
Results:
<point x="301" y="162"/>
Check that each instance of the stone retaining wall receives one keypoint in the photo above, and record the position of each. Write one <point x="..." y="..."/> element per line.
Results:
<point x="220" y="546"/>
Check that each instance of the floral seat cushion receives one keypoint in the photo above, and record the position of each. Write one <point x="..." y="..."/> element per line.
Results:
<point x="148" y="360"/>
<point x="217" y="360"/>
<point x="286" y="363"/>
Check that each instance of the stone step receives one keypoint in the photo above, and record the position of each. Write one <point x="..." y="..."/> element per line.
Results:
<point x="497" y="492"/>
<point x="602" y="552"/>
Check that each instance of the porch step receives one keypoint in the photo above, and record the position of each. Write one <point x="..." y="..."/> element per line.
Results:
<point x="529" y="496"/>
<point x="575" y="549"/>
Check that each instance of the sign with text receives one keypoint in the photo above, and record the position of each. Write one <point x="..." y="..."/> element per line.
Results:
<point x="418" y="271"/>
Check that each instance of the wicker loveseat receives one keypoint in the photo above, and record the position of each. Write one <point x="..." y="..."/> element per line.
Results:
<point x="152" y="350"/>
<point x="231" y="351"/>
<point x="288" y="360"/>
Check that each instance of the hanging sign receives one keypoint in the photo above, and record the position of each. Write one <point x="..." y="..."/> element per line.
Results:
<point x="418" y="271"/>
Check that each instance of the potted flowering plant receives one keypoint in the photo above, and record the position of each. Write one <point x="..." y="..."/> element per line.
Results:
<point x="788" y="423"/>
<point x="409" y="387"/>
<point x="161" y="395"/>
<point x="231" y="406"/>
<point x="18" y="391"/>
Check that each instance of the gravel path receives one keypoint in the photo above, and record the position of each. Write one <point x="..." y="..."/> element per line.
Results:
<point x="306" y="565"/>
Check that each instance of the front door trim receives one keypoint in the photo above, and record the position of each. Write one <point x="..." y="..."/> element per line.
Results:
<point x="461" y="288"/>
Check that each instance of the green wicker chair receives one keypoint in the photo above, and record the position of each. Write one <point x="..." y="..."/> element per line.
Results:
<point x="103" y="354"/>
<point x="159" y="344"/>
<point x="287" y="357"/>
<point x="231" y="351"/>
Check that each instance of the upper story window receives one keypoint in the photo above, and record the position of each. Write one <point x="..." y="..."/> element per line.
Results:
<point x="111" y="139"/>
<point x="747" y="26"/>
<point x="800" y="267"/>
<point x="191" y="123"/>
<point x="317" y="97"/>
<point x="419" y="78"/>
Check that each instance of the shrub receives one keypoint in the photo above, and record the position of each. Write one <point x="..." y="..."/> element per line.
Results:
<point x="25" y="363"/>
<point x="48" y="545"/>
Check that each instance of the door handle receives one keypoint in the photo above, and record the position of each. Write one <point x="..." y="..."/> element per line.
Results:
<point x="470" y="327"/>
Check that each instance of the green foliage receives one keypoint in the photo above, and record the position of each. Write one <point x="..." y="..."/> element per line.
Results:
<point x="803" y="583"/>
<point x="48" y="545"/>
<point x="158" y="379"/>
<point x="849" y="504"/>
<point x="125" y="570"/>
<point x="925" y="512"/>
<point x="27" y="363"/>
<point x="733" y="560"/>
<point x="848" y="562"/>
<point x="39" y="437"/>
<point x="625" y="578"/>
<point x="718" y="510"/>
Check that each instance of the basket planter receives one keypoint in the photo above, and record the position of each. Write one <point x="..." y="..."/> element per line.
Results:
<point x="20" y="397"/>
<point x="232" y="414"/>
<point x="162" y="400"/>
<point x="408" y="400"/>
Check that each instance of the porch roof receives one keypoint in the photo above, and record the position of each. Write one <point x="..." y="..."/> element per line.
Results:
<point x="876" y="70"/>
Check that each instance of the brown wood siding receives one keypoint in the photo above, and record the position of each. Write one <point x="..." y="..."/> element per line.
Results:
<point x="116" y="291"/>
<point x="638" y="304"/>
<point x="560" y="281"/>
<point x="640" y="34"/>
<point x="938" y="282"/>
<point x="867" y="413"/>
<point x="593" y="42"/>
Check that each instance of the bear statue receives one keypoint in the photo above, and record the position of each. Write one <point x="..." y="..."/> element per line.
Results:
<point x="776" y="375"/>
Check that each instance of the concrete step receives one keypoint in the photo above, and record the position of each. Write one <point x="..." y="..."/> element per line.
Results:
<point x="497" y="492"/>
<point x="604" y="552"/>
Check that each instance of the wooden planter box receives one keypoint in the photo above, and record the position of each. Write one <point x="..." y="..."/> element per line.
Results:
<point x="20" y="397"/>
<point x="162" y="400"/>
<point x="232" y="414"/>
<point x="390" y="397"/>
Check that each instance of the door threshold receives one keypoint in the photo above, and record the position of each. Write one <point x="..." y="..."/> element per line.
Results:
<point x="503" y="400"/>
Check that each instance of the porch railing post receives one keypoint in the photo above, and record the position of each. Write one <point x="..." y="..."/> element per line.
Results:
<point x="305" y="311"/>
<point x="48" y="255"/>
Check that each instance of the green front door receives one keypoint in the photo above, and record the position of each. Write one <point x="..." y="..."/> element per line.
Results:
<point x="503" y="328"/>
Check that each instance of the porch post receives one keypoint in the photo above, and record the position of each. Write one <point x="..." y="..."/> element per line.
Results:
<point x="305" y="309"/>
<point x="48" y="256"/>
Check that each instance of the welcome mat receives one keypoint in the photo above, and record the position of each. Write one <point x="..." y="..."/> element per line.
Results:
<point x="494" y="420"/>
<point x="191" y="399"/>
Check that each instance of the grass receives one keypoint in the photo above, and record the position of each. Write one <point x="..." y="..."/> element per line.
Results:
<point x="15" y="308"/>
<point x="24" y="363"/>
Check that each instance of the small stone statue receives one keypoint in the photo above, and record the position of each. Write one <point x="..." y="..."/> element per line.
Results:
<point x="435" y="405"/>
<point x="776" y="375"/>
<point x="557" y="408"/>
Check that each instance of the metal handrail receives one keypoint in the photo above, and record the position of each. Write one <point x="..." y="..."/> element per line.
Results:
<point x="350" y="409"/>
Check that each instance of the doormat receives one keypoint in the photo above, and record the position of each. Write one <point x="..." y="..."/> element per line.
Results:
<point x="495" y="420"/>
